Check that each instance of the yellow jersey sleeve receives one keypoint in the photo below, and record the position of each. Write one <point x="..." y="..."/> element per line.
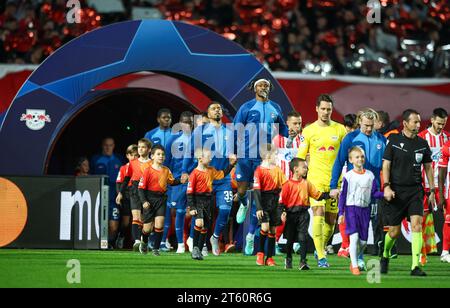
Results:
<point x="304" y="146"/>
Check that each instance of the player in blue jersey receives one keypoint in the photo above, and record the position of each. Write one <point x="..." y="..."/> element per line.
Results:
<point x="109" y="164"/>
<point x="161" y="134"/>
<point x="176" y="148"/>
<point x="215" y="136"/>
<point x="258" y="116"/>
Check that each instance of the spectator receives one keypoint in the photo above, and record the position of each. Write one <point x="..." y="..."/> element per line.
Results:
<point x="82" y="167"/>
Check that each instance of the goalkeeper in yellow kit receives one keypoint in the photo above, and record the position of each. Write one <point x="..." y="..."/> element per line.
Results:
<point x="322" y="140"/>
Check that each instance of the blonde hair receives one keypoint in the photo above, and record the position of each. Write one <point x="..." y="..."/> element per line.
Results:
<point x="356" y="148"/>
<point x="200" y="152"/>
<point x="267" y="149"/>
<point x="368" y="113"/>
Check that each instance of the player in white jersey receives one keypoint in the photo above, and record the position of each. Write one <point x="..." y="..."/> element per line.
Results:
<point x="287" y="149"/>
<point x="436" y="137"/>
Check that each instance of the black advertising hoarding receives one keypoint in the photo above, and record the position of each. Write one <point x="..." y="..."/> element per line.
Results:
<point x="61" y="212"/>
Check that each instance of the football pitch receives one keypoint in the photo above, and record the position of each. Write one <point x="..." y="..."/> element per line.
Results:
<point x="50" y="268"/>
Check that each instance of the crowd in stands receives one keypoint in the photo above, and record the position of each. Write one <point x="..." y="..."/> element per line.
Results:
<point x="309" y="36"/>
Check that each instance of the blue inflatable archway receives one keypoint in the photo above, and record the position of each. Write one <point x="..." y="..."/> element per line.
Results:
<point x="216" y="66"/>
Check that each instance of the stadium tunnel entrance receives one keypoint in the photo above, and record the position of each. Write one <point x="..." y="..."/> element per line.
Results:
<point x="56" y="90"/>
<point x="103" y="113"/>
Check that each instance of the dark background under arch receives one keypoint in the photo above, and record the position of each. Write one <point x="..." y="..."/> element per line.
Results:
<point x="105" y="115"/>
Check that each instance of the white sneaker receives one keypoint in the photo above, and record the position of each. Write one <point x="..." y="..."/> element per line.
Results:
<point x="445" y="258"/>
<point x="168" y="246"/>
<point x="136" y="245"/>
<point x="190" y="243"/>
<point x="205" y="251"/>
<point x="181" y="248"/>
<point x="329" y="249"/>
<point x="215" y="245"/>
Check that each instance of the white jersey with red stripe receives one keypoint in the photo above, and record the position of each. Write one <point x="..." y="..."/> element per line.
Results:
<point x="284" y="154"/>
<point x="435" y="142"/>
<point x="444" y="161"/>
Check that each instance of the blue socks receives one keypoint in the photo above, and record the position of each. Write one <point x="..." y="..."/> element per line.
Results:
<point x="167" y="223"/>
<point x="179" y="224"/>
<point x="221" y="221"/>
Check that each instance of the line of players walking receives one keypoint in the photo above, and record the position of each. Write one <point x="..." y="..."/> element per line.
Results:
<point x="345" y="174"/>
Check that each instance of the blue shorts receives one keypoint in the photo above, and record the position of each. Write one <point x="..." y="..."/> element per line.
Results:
<point x="169" y="193"/>
<point x="177" y="198"/>
<point x="224" y="199"/>
<point x="114" y="211"/>
<point x="245" y="169"/>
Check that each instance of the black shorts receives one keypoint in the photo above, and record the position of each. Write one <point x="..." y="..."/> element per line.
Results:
<point x="135" y="202"/>
<point x="125" y="206"/>
<point x="297" y="223"/>
<point x="408" y="201"/>
<point x="204" y="206"/>
<point x="271" y="208"/>
<point x="158" y="203"/>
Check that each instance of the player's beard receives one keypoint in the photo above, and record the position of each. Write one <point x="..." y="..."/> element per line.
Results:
<point x="264" y="94"/>
<point x="217" y="117"/>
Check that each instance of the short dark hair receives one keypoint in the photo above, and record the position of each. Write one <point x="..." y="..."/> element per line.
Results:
<point x="294" y="114"/>
<point x="80" y="162"/>
<point x="164" y="110"/>
<point x="383" y="116"/>
<point x="294" y="163"/>
<point x="324" y="98"/>
<point x="213" y="103"/>
<point x="132" y="148"/>
<point x="407" y="113"/>
<point x="350" y="120"/>
<point x="440" y="112"/>
<point x="157" y="147"/>
<point x="186" y="114"/>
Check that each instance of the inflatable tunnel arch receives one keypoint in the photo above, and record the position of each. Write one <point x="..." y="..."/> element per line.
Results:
<point x="219" y="68"/>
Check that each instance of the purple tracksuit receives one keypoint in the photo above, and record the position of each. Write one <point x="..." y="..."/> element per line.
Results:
<point x="358" y="190"/>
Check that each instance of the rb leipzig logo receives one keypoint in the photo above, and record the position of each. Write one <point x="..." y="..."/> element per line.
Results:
<point x="35" y="119"/>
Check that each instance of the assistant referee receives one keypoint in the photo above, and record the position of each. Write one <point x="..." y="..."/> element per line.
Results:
<point x="403" y="191"/>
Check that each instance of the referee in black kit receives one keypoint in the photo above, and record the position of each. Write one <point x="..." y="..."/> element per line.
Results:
<point x="403" y="190"/>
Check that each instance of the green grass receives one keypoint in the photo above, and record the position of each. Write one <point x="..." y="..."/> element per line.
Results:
<point x="47" y="268"/>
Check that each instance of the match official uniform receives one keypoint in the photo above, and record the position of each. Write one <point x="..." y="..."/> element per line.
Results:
<point x="406" y="156"/>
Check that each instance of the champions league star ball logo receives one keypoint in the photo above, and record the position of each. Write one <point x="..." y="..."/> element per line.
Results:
<point x="35" y="119"/>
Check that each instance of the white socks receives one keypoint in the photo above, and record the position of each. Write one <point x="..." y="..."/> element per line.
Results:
<point x="354" y="239"/>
